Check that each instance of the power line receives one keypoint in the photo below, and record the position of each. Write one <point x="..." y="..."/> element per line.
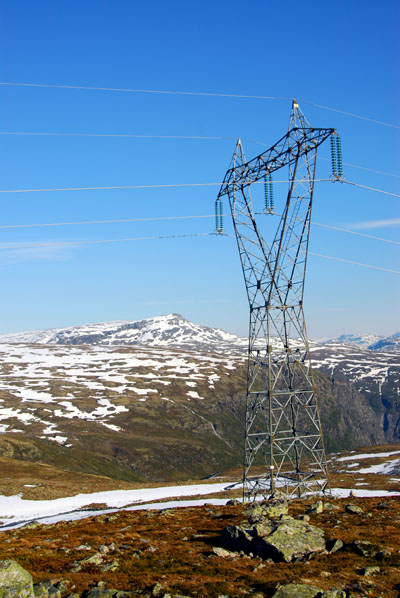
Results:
<point x="373" y="120"/>
<point x="160" y="91"/>
<point x="181" y="185"/>
<point x="130" y="135"/>
<point x="102" y="241"/>
<point x="206" y="137"/>
<point x="338" y="259"/>
<point x="109" y="188"/>
<point x="343" y="230"/>
<point x="166" y="218"/>
<point x="352" y="232"/>
<point x="370" y="188"/>
<point x="105" y="221"/>
<point x="62" y="244"/>
<point x="124" y="135"/>
<point x="397" y="176"/>
<point x="131" y="187"/>
<point x="199" y="93"/>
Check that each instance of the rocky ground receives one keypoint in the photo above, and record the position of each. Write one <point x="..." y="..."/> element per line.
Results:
<point x="337" y="548"/>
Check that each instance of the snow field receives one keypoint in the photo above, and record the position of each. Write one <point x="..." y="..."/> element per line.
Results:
<point x="30" y="374"/>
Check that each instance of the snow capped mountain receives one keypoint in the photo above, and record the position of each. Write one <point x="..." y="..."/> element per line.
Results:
<point x="172" y="330"/>
<point x="374" y="342"/>
<point x="361" y="340"/>
<point x="389" y="344"/>
<point x="368" y="370"/>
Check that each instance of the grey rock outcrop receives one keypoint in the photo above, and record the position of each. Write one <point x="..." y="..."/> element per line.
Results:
<point x="15" y="582"/>
<point x="272" y="508"/>
<point x="354" y="509"/>
<point x="99" y="593"/>
<point x="281" y="540"/>
<point x="297" y="590"/>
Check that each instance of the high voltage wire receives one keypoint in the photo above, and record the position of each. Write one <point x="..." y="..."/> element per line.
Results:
<point x="397" y="176"/>
<point x="133" y="187"/>
<point x="199" y="93"/>
<point x="62" y="244"/>
<point x="102" y="241"/>
<point x="343" y="230"/>
<point x="352" y="232"/>
<point x="164" y="218"/>
<point x="205" y="137"/>
<point x="338" y="259"/>
<point x="110" y="188"/>
<point x="370" y="188"/>
<point x="105" y="221"/>
<point x="126" y="135"/>
<point x="184" y="185"/>
<point x="160" y="91"/>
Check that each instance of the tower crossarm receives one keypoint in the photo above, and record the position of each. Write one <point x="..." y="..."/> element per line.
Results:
<point x="297" y="142"/>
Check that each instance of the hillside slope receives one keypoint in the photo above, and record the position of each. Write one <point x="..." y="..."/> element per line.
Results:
<point x="135" y="413"/>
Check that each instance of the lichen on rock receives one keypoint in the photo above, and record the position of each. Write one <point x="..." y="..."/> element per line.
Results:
<point x="297" y="590"/>
<point x="282" y="540"/>
<point x="15" y="582"/>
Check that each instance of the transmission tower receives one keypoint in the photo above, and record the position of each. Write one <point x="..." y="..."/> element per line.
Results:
<point x="282" y="428"/>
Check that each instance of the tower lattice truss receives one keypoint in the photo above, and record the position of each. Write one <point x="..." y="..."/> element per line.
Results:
<point x="283" y="438"/>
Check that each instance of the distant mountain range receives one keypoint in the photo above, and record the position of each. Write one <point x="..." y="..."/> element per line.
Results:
<point x="174" y="330"/>
<point x="383" y="344"/>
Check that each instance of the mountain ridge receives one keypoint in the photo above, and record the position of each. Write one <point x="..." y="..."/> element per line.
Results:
<point x="165" y="331"/>
<point x="173" y="330"/>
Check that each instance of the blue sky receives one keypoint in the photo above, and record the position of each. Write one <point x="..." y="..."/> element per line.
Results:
<point x="340" y="55"/>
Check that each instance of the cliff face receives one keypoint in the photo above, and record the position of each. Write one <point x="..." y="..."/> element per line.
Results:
<point x="348" y="420"/>
<point x="376" y="378"/>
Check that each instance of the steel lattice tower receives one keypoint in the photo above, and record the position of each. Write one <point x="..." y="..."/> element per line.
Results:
<point x="282" y="429"/>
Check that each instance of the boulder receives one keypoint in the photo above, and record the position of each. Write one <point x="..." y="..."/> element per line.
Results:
<point x="297" y="590"/>
<point x="272" y="508"/>
<point x="96" y="559"/>
<point x="284" y="540"/>
<point x="31" y="525"/>
<point x="15" y="582"/>
<point x="63" y="585"/>
<point x="99" y="593"/>
<point x="233" y="502"/>
<point x="289" y="541"/>
<point x="111" y="566"/>
<point x="364" y="548"/>
<point x="354" y="509"/>
<point x="334" y="544"/>
<point x="305" y="518"/>
<point x="222" y="552"/>
<point x="370" y="570"/>
<point x="328" y="506"/>
<point x="317" y="507"/>
<point x="237" y="537"/>
<point x="40" y="591"/>
<point x="158" y="589"/>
